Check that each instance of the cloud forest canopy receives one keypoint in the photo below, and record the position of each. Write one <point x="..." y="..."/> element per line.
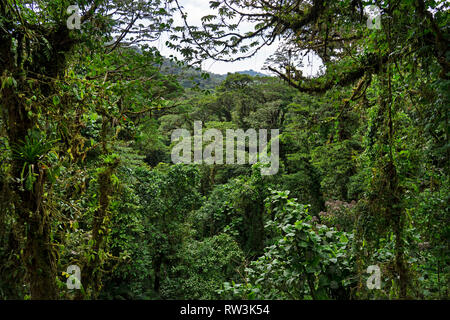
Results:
<point x="86" y="178"/>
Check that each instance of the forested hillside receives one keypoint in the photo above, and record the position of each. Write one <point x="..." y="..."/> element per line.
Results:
<point x="87" y="177"/>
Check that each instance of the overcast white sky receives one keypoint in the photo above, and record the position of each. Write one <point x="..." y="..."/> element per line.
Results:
<point x="195" y="10"/>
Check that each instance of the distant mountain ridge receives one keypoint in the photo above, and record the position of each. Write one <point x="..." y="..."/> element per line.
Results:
<point x="253" y="73"/>
<point x="190" y="77"/>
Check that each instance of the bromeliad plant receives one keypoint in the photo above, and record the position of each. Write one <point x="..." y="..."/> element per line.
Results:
<point x="36" y="154"/>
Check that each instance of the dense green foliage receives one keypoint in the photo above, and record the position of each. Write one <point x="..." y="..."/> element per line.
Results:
<point x="86" y="176"/>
